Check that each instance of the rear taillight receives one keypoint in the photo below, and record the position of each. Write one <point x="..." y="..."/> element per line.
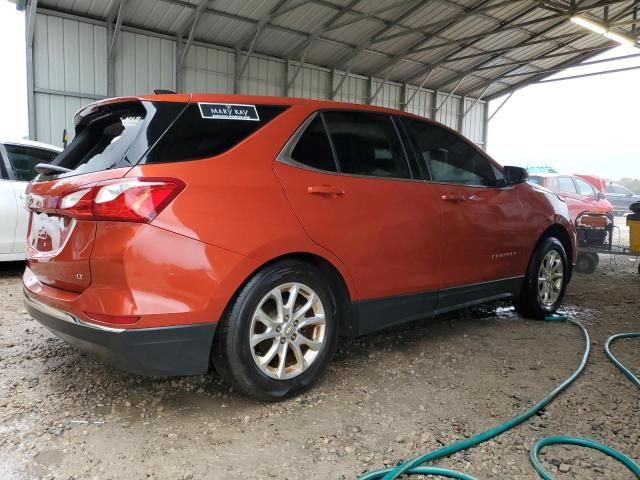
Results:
<point x="125" y="200"/>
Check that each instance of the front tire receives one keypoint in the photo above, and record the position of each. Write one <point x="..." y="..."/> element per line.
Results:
<point x="279" y="332"/>
<point x="546" y="281"/>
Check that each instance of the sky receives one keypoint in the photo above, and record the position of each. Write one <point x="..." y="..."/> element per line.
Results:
<point x="588" y="125"/>
<point x="585" y="125"/>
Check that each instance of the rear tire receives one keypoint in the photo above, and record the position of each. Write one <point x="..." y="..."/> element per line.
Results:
<point x="546" y="281"/>
<point x="297" y="346"/>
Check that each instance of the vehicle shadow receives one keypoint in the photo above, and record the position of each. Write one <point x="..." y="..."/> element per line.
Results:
<point x="12" y="269"/>
<point x="134" y="398"/>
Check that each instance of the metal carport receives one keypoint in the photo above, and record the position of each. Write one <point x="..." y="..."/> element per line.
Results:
<point x="439" y="58"/>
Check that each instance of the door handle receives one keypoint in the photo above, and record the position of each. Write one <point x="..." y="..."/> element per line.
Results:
<point x="325" y="190"/>
<point x="454" y="197"/>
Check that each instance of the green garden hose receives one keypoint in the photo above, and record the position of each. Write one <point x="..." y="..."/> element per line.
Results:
<point x="416" y="465"/>
<point x="607" y="350"/>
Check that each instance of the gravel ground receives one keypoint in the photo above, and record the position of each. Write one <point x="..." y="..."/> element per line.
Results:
<point x="391" y="396"/>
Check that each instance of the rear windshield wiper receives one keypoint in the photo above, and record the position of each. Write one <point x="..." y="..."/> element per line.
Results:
<point x="46" y="168"/>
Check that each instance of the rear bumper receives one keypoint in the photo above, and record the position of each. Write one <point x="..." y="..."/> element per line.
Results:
<point x="161" y="351"/>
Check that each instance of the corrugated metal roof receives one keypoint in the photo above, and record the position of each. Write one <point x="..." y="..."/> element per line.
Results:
<point x="399" y="40"/>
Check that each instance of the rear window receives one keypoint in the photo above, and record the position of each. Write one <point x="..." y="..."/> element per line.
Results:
<point x="125" y="134"/>
<point x="199" y="134"/>
<point x="115" y="135"/>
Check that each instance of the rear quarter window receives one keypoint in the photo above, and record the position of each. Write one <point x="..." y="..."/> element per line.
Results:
<point x="194" y="136"/>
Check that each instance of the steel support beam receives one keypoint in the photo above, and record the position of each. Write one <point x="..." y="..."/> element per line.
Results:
<point x="492" y="57"/>
<point x="314" y="35"/>
<point x="346" y="62"/>
<point x="447" y="97"/>
<point x="485" y="127"/>
<point x="117" y="27"/>
<point x="592" y="74"/>
<point x="332" y="77"/>
<point x="194" y="24"/>
<point x="568" y="64"/>
<point x="558" y="69"/>
<point x="392" y="62"/>
<point x="460" y="119"/>
<point x="30" y="26"/>
<point x="404" y="93"/>
<point x="255" y="34"/>
<point x="424" y="80"/>
<point x="31" y="21"/>
<point x="500" y="106"/>
<point x="363" y="16"/>
<point x="475" y="102"/>
<point x="542" y="57"/>
<point x="275" y="12"/>
<point x="452" y="55"/>
<point x="154" y="33"/>
<point x="467" y="13"/>
<point x="236" y="69"/>
<point x="369" y="90"/>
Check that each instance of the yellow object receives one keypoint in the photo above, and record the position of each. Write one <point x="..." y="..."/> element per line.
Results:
<point x="633" y="222"/>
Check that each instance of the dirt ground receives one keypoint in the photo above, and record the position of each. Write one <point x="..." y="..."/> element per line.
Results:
<point x="390" y="397"/>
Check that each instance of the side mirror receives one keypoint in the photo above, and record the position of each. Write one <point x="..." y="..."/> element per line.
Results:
<point x="600" y="196"/>
<point x="515" y="175"/>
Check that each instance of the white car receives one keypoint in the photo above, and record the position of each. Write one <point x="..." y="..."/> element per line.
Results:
<point x="17" y="161"/>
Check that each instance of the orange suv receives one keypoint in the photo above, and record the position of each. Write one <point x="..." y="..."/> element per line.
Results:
<point x="178" y="232"/>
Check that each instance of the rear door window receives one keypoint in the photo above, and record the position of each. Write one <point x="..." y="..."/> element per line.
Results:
<point x="197" y="135"/>
<point x="24" y="158"/>
<point x="367" y="144"/>
<point x="449" y="158"/>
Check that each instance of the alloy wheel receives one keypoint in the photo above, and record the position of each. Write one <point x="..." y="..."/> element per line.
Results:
<point x="288" y="330"/>
<point x="550" y="279"/>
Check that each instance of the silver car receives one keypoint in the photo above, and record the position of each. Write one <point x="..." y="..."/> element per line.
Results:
<point x="620" y="197"/>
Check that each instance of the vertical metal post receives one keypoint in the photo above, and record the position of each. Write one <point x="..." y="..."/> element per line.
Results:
<point x="31" y="94"/>
<point x="404" y="95"/>
<point x="434" y="105"/>
<point x="110" y="62"/>
<point x="460" y="119"/>
<point x="331" y="93"/>
<point x="286" y="78"/>
<point x="485" y="126"/>
<point x="369" y="98"/>
<point x="30" y="24"/>
<point x="236" y="72"/>
<point x="178" y="69"/>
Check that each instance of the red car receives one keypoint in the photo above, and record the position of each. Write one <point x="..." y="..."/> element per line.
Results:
<point x="579" y="193"/>
<point x="181" y="231"/>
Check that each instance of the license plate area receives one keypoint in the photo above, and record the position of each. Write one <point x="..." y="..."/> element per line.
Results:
<point x="48" y="234"/>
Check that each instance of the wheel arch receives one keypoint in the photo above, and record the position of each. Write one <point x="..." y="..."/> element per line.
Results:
<point x="339" y="286"/>
<point x="560" y="232"/>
